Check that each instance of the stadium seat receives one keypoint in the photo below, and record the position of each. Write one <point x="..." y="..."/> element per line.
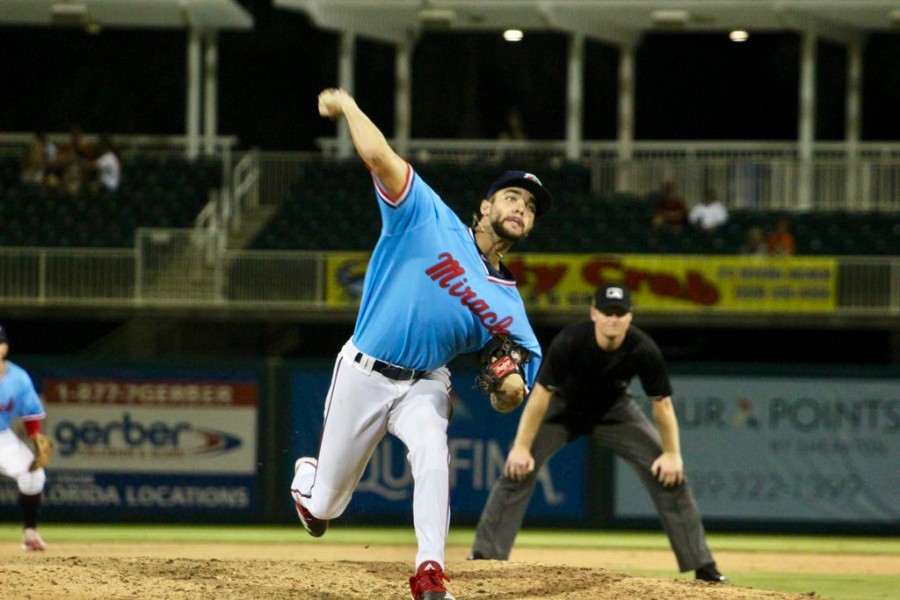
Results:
<point x="154" y="193"/>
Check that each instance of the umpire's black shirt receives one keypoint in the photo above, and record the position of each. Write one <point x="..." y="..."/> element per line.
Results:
<point x="586" y="381"/>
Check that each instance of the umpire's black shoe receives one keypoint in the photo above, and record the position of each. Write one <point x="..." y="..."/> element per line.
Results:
<point x="476" y="555"/>
<point x="710" y="574"/>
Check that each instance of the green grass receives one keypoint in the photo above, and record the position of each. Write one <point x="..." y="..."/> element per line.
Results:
<point x="825" y="586"/>
<point x="736" y="542"/>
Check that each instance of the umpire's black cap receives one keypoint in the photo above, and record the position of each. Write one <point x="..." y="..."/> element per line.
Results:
<point x="3" y="339"/>
<point x="613" y="295"/>
<point x="526" y="181"/>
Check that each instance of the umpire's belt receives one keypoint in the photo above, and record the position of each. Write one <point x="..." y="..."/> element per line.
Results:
<point x="390" y="371"/>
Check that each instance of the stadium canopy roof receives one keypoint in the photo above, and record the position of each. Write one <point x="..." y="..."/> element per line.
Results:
<point x="136" y="14"/>
<point x="614" y="21"/>
<point x="622" y="23"/>
<point x="200" y="19"/>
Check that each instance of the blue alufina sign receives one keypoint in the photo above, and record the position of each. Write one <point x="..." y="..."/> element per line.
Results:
<point x="479" y="439"/>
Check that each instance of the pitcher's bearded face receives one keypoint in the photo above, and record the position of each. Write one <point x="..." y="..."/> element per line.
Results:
<point x="512" y="213"/>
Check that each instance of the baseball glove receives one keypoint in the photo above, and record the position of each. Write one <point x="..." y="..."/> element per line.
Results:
<point x="42" y="448"/>
<point x="501" y="358"/>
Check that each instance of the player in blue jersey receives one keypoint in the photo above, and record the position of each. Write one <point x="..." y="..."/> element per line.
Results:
<point x="434" y="288"/>
<point x="19" y="400"/>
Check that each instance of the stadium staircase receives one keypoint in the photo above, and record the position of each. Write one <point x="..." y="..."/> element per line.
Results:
<point x="157" y="208"/>
<point x="184" y="263"/>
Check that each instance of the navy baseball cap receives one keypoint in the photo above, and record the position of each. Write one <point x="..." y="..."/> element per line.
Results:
<point x="3" y="339"/>
<point x="613" y="295"/>
<point x="526" y="181"/>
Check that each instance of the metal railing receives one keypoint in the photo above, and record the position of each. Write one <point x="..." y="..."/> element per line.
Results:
<point x="764" y="184"/>
<point x="243" y="189"/>
<point x="166" y="269"/>
<point x="222" y="213"/>
<point x="280" y="171"/>
<point x="194" y="268"/>
<point x="748" y="175"/>
<point x="16" y="143"/>
<point x="57" y="276"/>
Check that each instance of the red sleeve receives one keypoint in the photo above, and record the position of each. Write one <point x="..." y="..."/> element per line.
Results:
<point x="33" y="427"/>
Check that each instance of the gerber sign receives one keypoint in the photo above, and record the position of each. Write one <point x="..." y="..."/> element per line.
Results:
<point x="138" y="438"/>
<point x="152" y="426"/>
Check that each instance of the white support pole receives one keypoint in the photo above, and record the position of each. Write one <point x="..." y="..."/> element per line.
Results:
<point x="853" y="124"/>
<point x="575" y="96"/>
<point x="192" y="125"/>
<point x="210" y="92"/>
<point x="402" y="96"/>
<point x="346" y="81"/>
<point x="626" y="117"/>
<point x="807" y="125"/>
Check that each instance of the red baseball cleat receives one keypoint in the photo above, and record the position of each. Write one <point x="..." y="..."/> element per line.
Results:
<point x="428" y="583"/>
<point x="315" y="527"/>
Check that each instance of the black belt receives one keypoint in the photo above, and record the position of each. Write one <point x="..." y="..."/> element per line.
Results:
<point x="391" y="371"/>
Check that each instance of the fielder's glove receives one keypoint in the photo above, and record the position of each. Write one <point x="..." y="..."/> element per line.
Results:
<point x="500" y="358"/>
<point x="42" y="448"/>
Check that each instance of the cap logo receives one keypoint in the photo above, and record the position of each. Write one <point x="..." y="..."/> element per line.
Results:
<point x="615" y="293"/>
<point x="533" y="178"/>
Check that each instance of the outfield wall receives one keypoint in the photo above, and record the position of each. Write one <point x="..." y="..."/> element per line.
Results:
<point x="766" y="447"/>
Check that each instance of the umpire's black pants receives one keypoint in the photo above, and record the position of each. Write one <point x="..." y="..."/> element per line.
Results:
<point x="629" y="433"/>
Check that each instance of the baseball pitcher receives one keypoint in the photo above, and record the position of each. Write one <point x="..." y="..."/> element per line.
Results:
<point x="434" y="289"/>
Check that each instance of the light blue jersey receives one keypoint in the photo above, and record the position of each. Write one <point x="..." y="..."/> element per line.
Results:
<point x="428" y="293"/>
<point x="18" y="397"/>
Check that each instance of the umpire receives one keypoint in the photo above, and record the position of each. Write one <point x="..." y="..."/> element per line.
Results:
<point x="582" y="389"/>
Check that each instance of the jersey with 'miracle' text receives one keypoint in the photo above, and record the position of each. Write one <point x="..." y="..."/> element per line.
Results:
<point x="428" y="293"/>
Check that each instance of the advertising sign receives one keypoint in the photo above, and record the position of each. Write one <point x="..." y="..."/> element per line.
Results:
<point x="804" y="449"/>
<point x="129" y="439"/>
<point x="479" y="440"/>
<point x="157" y="426"/>
<point x="657" y="282"/>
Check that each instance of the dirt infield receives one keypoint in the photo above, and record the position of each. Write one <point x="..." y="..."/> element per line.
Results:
<point x="156" y="571"/>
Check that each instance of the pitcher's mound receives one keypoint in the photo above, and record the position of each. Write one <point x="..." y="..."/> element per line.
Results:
<point x="39" y="575"/>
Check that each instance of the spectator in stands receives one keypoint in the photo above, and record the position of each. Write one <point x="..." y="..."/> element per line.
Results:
<point x="710" y="213"/>
<point x="514" y="129"/>
<point x="40" y="156"/>
<point x="780" y="241"/>
<point x="107" y="167"/>
<point x="670" y="210"/>
<point x="755" y="244"/>
<point x="74" y="158"/>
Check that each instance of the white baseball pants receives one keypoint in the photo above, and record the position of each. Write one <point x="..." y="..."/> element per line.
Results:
<point x="361" y="407"/>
